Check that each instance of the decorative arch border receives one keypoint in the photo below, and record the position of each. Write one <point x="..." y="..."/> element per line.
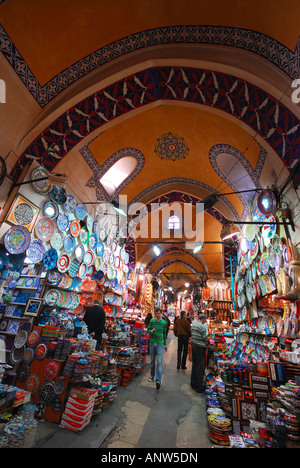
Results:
<point x="99" y="171"/>
<point x="250" y="40"/>
<point x="175" y="196"/>
<point x="164" y="265"/>
<point x="177" y="249"/>
<point x="254" y="174"/>
<point x="263" y="113"/>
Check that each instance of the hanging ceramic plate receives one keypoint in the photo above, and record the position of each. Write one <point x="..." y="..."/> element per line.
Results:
<point x="58" y="195"/>
<point x="29" y="356"/>
<point x="79" y="252"/>
<point x="47" y="392"/>
<point x="96" y="228"/>
<point x="126" y="258"/>
<point x="33" y="338"/>
<point x="56" y="241"/>
<point x="60" y="387"/>
<point x="17" y="355"/>
<point x="98" y="262"/>
<point x="82" y="271"/>
<point x="50" y="210"/>
<point x="69" y="244"/>
<point x="93" y="241"/>
<point x="117" y="262"/>
<point x="100" y="248"/>
<point x="63" y="263"/>
<point x="80" y="211"/>
<point x="20" y="339"/>
<point x="54" y="277"/>
<point x="74" y="268"/>
<point x="102" y="234"/>
<point x="264" y="264"/>
<point x="108" y="241"/>
<point x="32" y="384"/>
<point x="75" y="228"/>
<point x="51" y="371"/>
<point x="89" y="257"/>
<point x="52" y="297"/>
<point x="63" y="222"/>
<point x="17" y="239"/>
<point x="56" y="403"/>
<point x="50" y="259"/>
<point x="84" y="235"/>
<point x="70" y="204"/>
<point x="44" y="229"/>
<point x="211" y="283"/>
<point x="41" y="186"/>
<point x="110" y="272"/>
<point x="89" y="223"/>
<point x="251" y="230"/>
<point x="41" y="351"/>
<point x="36" y="251"/>
<point x="254" y="248"/>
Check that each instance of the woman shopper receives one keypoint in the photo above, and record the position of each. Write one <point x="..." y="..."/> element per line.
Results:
<point x="157" y="330"/>
<point x="199" y="346"/>
<point x="182" y="329"/>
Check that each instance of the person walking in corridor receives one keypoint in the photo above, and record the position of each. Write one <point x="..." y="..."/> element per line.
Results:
<point x="199" y="346"/>
<point x="157" y="330"/>
<point x="182" y="329"/>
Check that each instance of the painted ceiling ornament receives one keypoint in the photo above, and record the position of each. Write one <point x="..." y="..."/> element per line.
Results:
<point x="170" y="146"/>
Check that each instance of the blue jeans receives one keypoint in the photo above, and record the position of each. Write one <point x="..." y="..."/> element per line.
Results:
<point x="156" y="353"/>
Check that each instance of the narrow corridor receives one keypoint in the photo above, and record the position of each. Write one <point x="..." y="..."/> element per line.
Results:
<point x="141" y="416"/>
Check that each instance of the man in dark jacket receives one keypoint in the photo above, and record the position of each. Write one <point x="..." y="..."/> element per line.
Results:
<point x="182" y="329"/>
<point x="95" y="321"/>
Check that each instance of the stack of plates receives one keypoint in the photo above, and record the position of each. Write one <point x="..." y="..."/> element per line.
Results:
<point x="219" y="429"/>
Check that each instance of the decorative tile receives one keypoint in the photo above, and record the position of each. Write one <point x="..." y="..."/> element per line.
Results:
<point x="246" y="39"/>
<point x="264" y="114"/>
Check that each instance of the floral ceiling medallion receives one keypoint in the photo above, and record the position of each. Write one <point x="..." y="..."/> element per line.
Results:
<point x="170" y="146"/>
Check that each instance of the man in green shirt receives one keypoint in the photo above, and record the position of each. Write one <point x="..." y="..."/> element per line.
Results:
<point x="199" y="345"/>
<point x="157" y="329"/>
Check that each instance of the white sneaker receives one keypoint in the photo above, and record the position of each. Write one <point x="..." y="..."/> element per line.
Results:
<point x="150" y="379"/>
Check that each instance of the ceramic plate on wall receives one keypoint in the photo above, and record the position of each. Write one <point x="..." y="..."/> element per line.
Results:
<point x="41" y="186"/>
<point x="44" y="229"/>
<point x="36" y="251"/>
<point x="17" y="239"/>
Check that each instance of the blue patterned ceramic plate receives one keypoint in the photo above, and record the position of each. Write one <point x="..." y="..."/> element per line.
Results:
<point x="70" y="204"/>
<point x="69" y="244"/>
<point x="58" y="195"/>
<point x="63" y="222"/>
<point x="17" y="239"/>
<point x="100" y="248"/>
<point x="89" y="223"/>
<point x="84" y="236"/>
<point x="79" y="252"/>
<point x="80" y="211"/>
<point x="50" y="259"/>
<point x="36" y="251"/>
<point x="51" y="210"/>
<point x="93" y="241"/>
<point x="41" y="186"/>
<point x="96" y="228"/>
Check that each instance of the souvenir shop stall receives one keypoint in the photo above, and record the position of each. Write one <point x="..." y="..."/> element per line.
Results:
<point x="253" y="398"/>
<point x="55" y="261"/>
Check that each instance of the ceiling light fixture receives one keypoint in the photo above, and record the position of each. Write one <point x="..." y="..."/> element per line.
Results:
<point x="157" y="250"/>
<point x="197" y="247"/>
<point x="228" y="231"/>
<point x="118" y="209"/>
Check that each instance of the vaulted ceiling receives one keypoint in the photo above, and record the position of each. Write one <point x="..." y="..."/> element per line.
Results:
<point x="102" y="81"/>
